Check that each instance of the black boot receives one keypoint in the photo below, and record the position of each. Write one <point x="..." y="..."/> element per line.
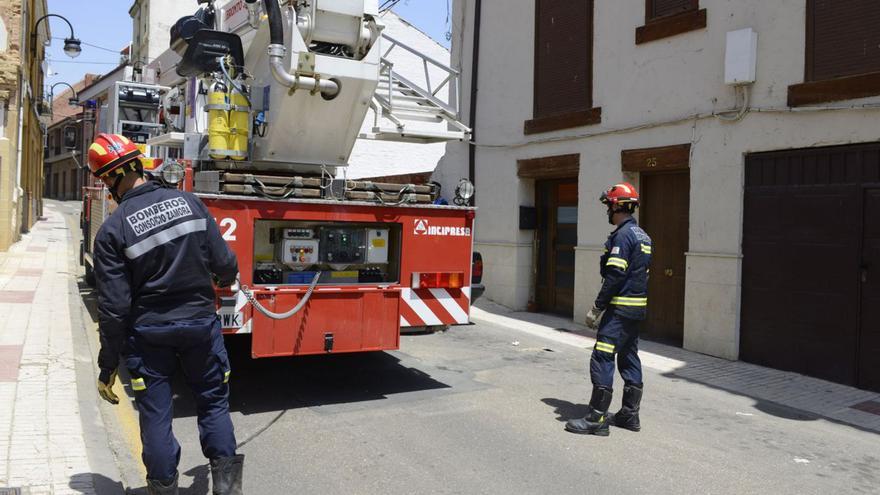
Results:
<point x="628" y="415"/>
<point x="596" y="421"/>
<point x="226" y="475"/>
<point x="157" y="487"/>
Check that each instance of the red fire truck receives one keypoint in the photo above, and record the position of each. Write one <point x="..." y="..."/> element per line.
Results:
<point x="259" y="120"/>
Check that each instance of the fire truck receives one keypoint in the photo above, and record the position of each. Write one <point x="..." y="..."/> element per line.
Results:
<point x="257" y="114"/>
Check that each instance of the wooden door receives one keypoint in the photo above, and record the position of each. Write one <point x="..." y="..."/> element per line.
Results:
<point x="869" y="277"/>
<point x="802" y="251"/>
<point x="557" y="238"/>
<point x="664" y="215"/>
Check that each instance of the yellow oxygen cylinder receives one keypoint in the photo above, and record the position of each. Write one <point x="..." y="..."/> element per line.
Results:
<point x="239" y="126"/>
<point x="218" y="122"/>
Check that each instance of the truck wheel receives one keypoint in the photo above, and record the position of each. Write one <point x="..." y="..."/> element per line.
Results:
<point x="90" y="275"/>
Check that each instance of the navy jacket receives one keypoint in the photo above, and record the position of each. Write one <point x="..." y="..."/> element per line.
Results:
<point x="624" y="268"/>
<point x="154" y="261"/>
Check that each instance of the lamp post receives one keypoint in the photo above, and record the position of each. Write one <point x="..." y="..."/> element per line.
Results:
<point x="73" y="100"/>
<point x="72" y="44"/>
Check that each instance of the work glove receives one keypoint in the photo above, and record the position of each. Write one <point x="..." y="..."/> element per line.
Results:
<point x="105" y="386"/>
<point x="593" y="317"/>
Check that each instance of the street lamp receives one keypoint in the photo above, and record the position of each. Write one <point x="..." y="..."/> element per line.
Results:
<point x="73" y="100"/>
<point x="72" y="44"/>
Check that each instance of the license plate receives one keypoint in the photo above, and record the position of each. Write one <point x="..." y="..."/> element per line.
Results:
<point x="229" y="317"/>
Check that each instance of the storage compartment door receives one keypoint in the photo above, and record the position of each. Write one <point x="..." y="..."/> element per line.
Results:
<point x="332" y="321"/>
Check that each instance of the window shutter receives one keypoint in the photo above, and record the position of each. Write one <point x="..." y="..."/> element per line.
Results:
<point x="843" y="38"/>
<point x="563" y="56"/>
<point x="663" y="8"/>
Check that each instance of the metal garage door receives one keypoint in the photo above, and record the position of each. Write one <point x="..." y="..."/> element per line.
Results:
<point x="811" y="266"/>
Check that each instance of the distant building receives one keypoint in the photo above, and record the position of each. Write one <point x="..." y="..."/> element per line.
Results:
<point x="21" y="102"/>
<point x="64" y="169"/>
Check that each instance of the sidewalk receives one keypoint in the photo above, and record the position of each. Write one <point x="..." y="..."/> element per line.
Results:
<point x="42" y="445"/>
<point x="776" y="392"/>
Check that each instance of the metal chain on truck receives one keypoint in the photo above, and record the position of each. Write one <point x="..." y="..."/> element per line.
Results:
<point x="278" y="316"/>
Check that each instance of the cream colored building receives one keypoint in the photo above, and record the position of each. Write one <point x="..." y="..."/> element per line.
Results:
<point x="151" y="26"/>
<point x="21" y="132"/>
<point x="576" y="96"/>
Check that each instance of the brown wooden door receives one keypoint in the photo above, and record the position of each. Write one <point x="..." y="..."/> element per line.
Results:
<point x="664" y="215"/>
<point x="557" y="238"/>
<point x="806" y="249"/>
<point x="869" y="335"/>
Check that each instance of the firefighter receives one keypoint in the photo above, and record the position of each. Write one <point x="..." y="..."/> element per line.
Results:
<point x="618" y="309"/>
<point x="155" y="258"/>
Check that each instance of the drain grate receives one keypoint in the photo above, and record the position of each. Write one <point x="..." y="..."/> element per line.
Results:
<point x="10" y="491"/>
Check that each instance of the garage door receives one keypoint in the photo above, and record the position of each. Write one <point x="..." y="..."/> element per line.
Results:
<point x="811" y="268"/>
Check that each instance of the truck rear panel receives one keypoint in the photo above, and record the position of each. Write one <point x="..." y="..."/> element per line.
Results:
<point x="425" y="282"/>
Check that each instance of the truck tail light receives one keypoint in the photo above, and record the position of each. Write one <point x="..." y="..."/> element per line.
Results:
<point x="436" y="280"/>
<point x="477" y="269"/>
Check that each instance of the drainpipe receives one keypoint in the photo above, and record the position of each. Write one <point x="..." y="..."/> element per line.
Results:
<point x="327" y="87"/>
<point x="472" y="116"/>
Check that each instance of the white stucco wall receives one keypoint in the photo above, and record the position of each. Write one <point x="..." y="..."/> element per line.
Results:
<point x="383" y="158"/>
<point x="661" y="86"/>
<point x="160" y="17"/>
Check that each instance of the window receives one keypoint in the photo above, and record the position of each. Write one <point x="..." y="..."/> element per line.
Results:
<point x="843" y="38"/>
<point x="662" y="8"/>
<point x="563" y="78"/>
<point x="665" y="18"/>
<point x="842" y="52"/>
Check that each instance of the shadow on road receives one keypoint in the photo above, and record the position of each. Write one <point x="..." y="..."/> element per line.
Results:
<point x="83" y="482"/>
<point x="277" y="384"/>
<point x="735" y="377"/>
<point x="565" y="410"/>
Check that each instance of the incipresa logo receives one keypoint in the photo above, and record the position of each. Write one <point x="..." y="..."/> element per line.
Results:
<point x="423" y="227"/>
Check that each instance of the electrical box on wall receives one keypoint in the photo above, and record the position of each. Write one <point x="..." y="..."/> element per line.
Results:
<point x="741" y="57"/>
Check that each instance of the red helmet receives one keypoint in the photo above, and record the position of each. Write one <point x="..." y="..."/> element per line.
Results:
<point x="110" y="153"/>
<point x="620" y="194"/>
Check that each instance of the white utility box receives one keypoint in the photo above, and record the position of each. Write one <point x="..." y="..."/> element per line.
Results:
<point x="741" y="57"/>
<point x="298" y="252"/>
<point x="377" y="245"/>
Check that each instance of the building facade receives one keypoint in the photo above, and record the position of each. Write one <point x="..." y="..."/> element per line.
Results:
<point x="64" y="170"/>
<point x="151" y="27"/>
<point x="63" y="158"/>
<point x="21" y="130"/>
<point x="761" y="197"/>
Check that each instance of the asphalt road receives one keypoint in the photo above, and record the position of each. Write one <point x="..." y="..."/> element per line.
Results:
<point x="466" y="411"/>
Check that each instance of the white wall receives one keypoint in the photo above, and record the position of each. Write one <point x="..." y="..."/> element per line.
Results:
<point x="660" y="85"/>
<point x="382" y="158"/>
<point x="160" y="16"/>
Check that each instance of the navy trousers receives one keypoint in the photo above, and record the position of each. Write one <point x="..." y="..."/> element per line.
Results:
<point x="620" y="336"/>
<point x="152" y="355"/>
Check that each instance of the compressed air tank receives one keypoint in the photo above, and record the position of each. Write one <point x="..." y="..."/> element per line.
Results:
<point x="218" y="108"/>
<point x="239" y="125"/>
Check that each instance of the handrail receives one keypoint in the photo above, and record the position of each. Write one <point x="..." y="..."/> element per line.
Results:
<point x="419" y="54"/>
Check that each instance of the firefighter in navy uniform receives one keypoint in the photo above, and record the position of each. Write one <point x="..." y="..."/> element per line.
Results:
<point x="619" y="309"/>
<point x="155" y="259"/>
